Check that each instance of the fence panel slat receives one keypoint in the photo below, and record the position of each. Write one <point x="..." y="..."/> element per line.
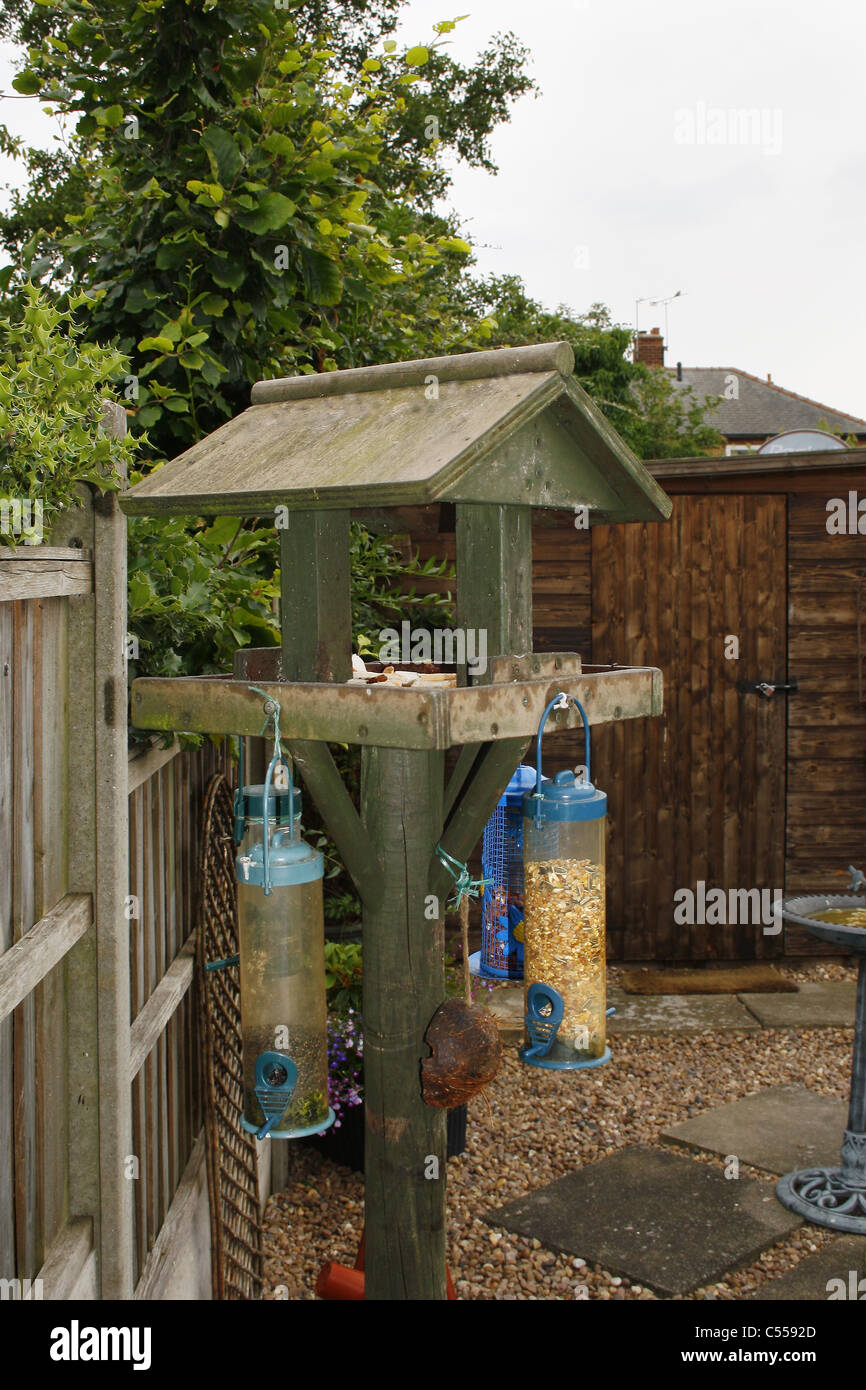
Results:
<point x="138" y="997"/>
<point x="161" y="1007"/>
<point x="150" y="981"/>
<point x="66" y="1259"/>
<point x="7" y="1176"/>
<point x="27" y="1225"/>
<point x="51" y="804"/>
<point x="161" y="846"/>
<point x="28" y="579"/>
<point x="36" y="953"/>
<point x="173" y="944"/>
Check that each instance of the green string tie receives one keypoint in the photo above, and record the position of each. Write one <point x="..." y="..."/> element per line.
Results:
<point x="465" y="885"/>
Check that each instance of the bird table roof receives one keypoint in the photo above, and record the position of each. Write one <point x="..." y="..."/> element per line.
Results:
<point x="507" y="426"/>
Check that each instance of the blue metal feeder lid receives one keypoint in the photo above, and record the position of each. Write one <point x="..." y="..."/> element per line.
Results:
<point x="522" y="781"/>
<point x="289" y="862"/>
<point x="278" y="802"/>
<point x="565" y="799"/>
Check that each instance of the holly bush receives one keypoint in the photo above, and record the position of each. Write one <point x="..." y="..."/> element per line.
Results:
<point x="52" y="386"/>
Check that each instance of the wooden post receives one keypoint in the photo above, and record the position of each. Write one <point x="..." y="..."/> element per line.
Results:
<point x="111" y="888"/>
<point x="404" y="984"/>
<point x="316" y="629"/>
<point x="402" y="810"/>
<point x="494" y="576"/>
<point x="82" y="991"/>
<point x="315" y="603"/>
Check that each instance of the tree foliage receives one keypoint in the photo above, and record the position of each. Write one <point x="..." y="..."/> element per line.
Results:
<point x="51" y="388"/>
<point x="252" y="201"/>
<point x="227" y="198"/>
<point x="254" y="190"/>
<point x="653" y="418"/>
<point x="201" y="590"/>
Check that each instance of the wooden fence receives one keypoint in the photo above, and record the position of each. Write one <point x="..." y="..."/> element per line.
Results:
<point x="101" y="1160"/>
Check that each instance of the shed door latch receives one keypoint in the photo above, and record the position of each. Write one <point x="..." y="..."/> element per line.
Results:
<point x="769" y="688"/>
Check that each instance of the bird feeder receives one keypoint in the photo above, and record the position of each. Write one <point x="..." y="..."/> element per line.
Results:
<point x="485" y="437"/>
<point x="564" y="917"/>
<point x="281" y="943"/>
<point x="501" y="954"/>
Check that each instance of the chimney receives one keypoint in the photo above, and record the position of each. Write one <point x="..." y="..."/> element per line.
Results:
<point x="649" y="348"/>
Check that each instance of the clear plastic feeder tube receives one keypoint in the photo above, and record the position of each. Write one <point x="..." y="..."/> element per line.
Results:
<point x="281" y="944"/>
<point x="564" y="928"/>
<point x="283" y="1008"/>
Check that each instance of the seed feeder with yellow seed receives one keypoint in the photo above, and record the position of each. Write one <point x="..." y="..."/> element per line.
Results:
<point x="564" y="915"/>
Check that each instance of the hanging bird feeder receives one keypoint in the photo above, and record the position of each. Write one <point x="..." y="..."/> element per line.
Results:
<point x="281" y="938"/>
<point x="501" y="954"/>
<point x="564" y="915"/>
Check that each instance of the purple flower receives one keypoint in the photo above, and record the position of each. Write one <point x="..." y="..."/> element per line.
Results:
<point x="345" y="1054"/>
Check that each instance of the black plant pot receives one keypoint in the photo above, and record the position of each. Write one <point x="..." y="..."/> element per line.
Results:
<point x="346" y="1144"/>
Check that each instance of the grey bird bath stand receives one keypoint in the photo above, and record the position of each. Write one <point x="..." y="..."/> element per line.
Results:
<point x="836" y="1197"/>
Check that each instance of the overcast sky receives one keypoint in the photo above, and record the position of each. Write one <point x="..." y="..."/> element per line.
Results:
<point x="636" y="173"/>
<point x="600" y="195"/>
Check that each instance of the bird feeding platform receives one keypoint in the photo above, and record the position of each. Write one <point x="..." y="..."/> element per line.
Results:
<point x="496" y="434"/>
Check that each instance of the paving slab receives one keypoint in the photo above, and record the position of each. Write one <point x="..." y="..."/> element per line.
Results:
<point x="506" y="1005"/>
<point x="779" y="1129"/>
<point x="679" y="1013"/>
<point x="659" y="1219"/>
<point x="817" y="1004"/>
<point x="836" y="1272"/>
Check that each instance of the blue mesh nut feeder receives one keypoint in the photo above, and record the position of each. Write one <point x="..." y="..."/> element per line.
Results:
<point x="564" y="915"/>
<point x="501" y="954"/>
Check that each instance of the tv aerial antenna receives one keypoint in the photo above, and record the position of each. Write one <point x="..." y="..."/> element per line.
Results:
<point x="656" y="303"/>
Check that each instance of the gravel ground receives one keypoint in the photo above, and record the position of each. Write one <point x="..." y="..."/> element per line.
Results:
<point x="540" y="1126"/>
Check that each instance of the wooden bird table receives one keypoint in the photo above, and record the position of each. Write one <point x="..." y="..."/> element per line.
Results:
<point x="506" y="431"/>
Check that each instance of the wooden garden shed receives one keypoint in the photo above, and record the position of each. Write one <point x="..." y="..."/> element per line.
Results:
<point x="730" y="787"/>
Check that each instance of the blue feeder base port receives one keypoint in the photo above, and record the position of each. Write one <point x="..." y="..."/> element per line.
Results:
<point x="577" y="1065"/>
<point x="292" y="1133"/>
<point x="481" y="972"/>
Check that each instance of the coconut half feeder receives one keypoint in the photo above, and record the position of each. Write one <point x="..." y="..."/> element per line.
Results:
<point x="466" y="1053"/>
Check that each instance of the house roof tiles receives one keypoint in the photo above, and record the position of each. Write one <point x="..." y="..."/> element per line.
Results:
<point x="750" y="408"/>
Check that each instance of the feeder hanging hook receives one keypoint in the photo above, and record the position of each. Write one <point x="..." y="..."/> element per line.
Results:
<point x="272" y="711"/>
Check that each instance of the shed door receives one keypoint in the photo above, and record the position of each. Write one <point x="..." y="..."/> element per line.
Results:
<point x="698" y="795"/>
